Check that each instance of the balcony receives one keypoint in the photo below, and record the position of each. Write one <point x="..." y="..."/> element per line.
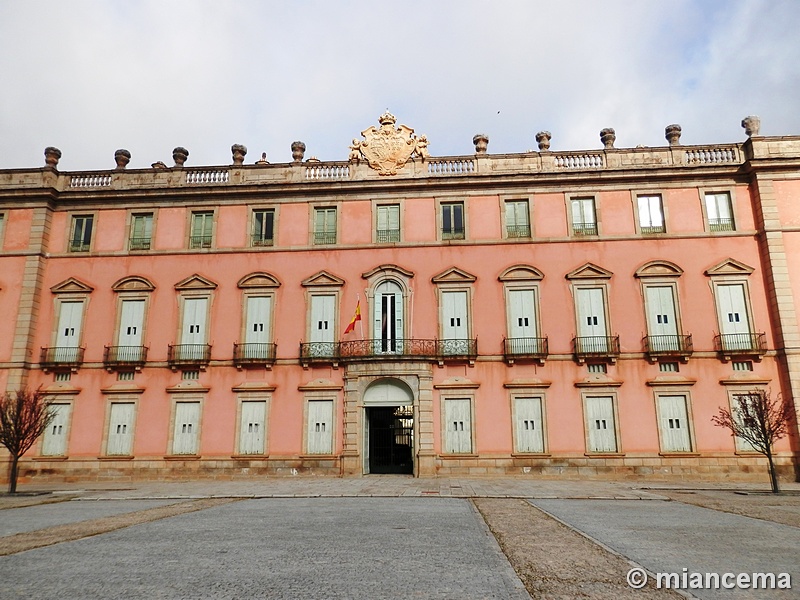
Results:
<point x="454" y="233"/>
<point x="139" y="243"/>
<point x="79" y="247"/>
<point x="525" y="349"/>
<point x="62" y="357"/>
<point x="730" y="345"/>
<point x="261" y="240"/>
<point x="319" y="353"/>
<point x="581" y="229"/>
<point x="199" y="241"/>
<point x="652" y="229"/>
<point x="457" y="350"/>
<point x="678" y="346"/>
<point x="254" y="354"/>
<point x="355" y="350"/>
<point x="720" y="224"/>
<point x="121" y="357"/>
<point x="189" y="355"/>
<point x="604" y="347"/>
<point x="324" y="238"/>
<point x="518" y="231"/>
<point x="383" y="236"/>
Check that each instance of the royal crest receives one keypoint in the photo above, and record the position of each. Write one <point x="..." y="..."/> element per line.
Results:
<point x="387" y="149"/>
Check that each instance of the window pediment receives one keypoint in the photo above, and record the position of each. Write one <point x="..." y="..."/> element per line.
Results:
<point x="196" y="282"/>
<point x="589" y="271"/>
<point x="388" y="270"/>
<point x="454" y="275"/>
<point x="323" y="278"/>
<point x="521" y="273"/>
<point x="134" y="283"/>
<point x="259" y="279"/>
<point x="659" y="268"/>
<point x="729" y="266"/>
<point x="71" y="286"/>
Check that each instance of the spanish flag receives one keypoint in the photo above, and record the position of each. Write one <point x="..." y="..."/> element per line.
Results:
<point x="356" y="317"/>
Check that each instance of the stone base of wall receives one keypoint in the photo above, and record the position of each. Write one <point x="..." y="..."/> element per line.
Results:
<point x="741" y="468"/>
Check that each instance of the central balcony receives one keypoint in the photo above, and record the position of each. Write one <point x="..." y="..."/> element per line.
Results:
<point x="387" y="349"/>
<point x="525" y="349"/>
<point x="254" y="354"/>
<point x="677" y="346"/>
<point x="61" y="357"/>
<point x="604" y="347"/>
<point x="189" y="355"/>
<point x="121" y="357"/>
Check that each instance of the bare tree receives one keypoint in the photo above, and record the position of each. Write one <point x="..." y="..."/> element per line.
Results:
<point x="24" y="415"/>
<point x="760" y="421"/>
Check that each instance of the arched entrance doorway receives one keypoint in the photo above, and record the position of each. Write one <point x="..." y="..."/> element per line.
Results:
<point x="389" y="410"/>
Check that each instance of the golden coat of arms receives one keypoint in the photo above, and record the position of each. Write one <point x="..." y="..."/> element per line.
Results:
<point x="387" y="149"/>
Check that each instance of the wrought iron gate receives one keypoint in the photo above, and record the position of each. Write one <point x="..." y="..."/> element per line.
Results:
<point x="391" y="439"/>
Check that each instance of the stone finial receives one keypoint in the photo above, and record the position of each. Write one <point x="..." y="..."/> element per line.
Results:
<point x="238" y="151"/>
<point x="481" y="142"/>
<point x="263" y="160"/>
<point x="122" y="157"/>
<point x="752" y="125"/>
<point x="179" y="155"/>
<point x="608" y="136"/>
<point x="313" y="159"/>
<point x="51" y="156"/>
<point x="673" y="134"/>
<point x="543" y="139"/>
<point x="159" y="165"/>
<point x="298" y="151"/>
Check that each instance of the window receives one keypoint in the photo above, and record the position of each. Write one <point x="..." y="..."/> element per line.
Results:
<point x="600" y="424"/>
<point x="319" y="438"/>
<point x="324" y="226"/>
<point x="252" y="427"/>
<point x="662" y="320"/>
<point x="387" y="318"/>
<point x="742" y="365"/>
<point x="120" y="429"/>
<point x="202" y="229"/>
<point x="529" y="425"/>
<point x="733" y="318"/>
<point x="141" y="231"/>
<point x="80" y="238"/>
<point x="518" y="223"/>
<point x="597" y="368"/>
<point x="130" y="337"/>
<point x="187" y="428"/>
<point x="592" y="328"/>
<point x="458" y="426"/>
<point x="583" y="216"/>
<point x="719" y="212"/>
<point x="388" y="226"/>
<point x="263" y="228"/>
<point x="651" y="214"/>
<point x="455" y="323"/>
<point x="668" y="367"/>
<point x="742" y="445"/>
<point x="453" y="221"/>
<point x="57" y="432"/>
<point x="194" y="329"/>
<point x="673" y="420"/>
<point x="68" y="334"/>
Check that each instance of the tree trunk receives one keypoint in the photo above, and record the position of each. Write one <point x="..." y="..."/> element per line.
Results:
<point x="12" y="477"/>
<point x="773" y="476"/>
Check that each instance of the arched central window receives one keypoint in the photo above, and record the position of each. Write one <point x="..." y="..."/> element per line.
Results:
<point x="387" y="318"/>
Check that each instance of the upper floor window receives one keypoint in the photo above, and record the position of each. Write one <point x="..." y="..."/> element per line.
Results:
<point x="141" y="231"/>
<point x="202" y="229"/>
<point x="651" y="214"/>
<point x="518" y="223"/>
<point x="453" y="221"/>
<point x="388" y="229"/>
<point x="263" y="227"/>
<point x="325" y="225"/>
<point x="719" y="211"/>
<point x="80" y="238"/>
<point x="583" y="216"/>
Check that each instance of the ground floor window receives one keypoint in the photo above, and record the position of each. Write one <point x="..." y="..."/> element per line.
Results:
<point x="458" y="426"/>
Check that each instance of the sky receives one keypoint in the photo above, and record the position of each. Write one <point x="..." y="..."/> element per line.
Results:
<point x="92" y="76"/>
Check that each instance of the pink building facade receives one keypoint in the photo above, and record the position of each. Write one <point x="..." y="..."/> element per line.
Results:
<point x="579" y="314"/>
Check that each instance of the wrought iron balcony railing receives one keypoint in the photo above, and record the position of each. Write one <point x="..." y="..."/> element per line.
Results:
<point x="78" y="247"/>
<point x="61" y="357"/>
<point x="457" y="349"/>
<point x="386" y="348"/>
<point x="649" y="229"/>
<point x="720" y="224"/>
<point x="535" y="348"/>
<point x="261" y="240"/>
<point x="323" y="238"/>
<point x="319" y="353"/>
<point x="584" y="229"/>
<point x="454" y="233"/>
<point x="195" y="355"/>
<point x="124" y="356"/>
<point x="668" y="345"/>
<point x="254" y="354"/>
<point x="377" y="349"/>
<point x="199" y="241"/>
<point x="598" y="346"/>
<point x="741" y="344"/>
<point x="139" y="243"/>
<point x="518" y="231"/>
<point x="383" y="236"/>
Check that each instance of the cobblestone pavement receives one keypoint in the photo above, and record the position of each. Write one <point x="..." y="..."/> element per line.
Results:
<point x="280" y="548"/>
<point x="668" y="537"/>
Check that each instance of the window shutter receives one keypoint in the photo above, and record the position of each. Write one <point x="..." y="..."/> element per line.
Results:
<point x="530" y="429"/>
<point x="320" y="427"/>
<point x="120" y="428"/>
<point x="251" y="433"/>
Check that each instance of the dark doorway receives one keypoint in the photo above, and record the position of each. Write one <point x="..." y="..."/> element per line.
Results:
<point x="391" y="439"/>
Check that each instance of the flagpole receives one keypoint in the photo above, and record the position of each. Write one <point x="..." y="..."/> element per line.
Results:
<point x="361" y="318"/>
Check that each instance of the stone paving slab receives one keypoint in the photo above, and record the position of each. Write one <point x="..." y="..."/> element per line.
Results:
<point x="272" y="548"/>
<point x="31" y="518"/>
<point x="667" y="537"/>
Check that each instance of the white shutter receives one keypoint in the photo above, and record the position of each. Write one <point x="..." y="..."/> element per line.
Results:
<point x="661" y="316"/>
<point x="131" y="323"/>
<point x="69" y="325"/>
<point x="194" y="320"/>
<point x="600" y="423"/>
<point x="732" y="309"/>
<point x="458" y="426"/>
<point x="187" y="423"/>
<point x="120" y="428"/>
<point x="592" y="319"/>
<point x="258" y="310"/>
<point x="674" y="422"/>
<point x="320" y="427"/>
<point x="522" y="317"/>
<point x="322" y="313"/>
<point x="55" y="436"/>
<point x="529" y="425"/>
<point x="454" y="313"/>
<point x="253" y="422"/>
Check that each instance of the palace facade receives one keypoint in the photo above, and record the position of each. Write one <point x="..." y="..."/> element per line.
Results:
<point x="549" y="313"/>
